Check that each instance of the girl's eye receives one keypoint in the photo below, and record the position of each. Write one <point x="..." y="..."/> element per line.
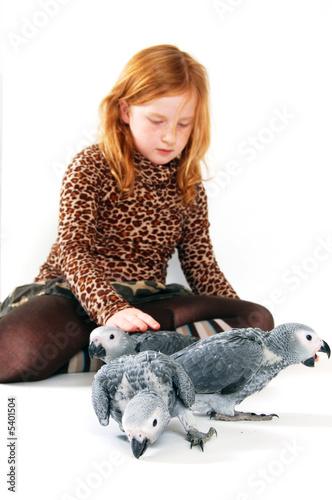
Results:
<point x="183" y="125"/>
<point x="155" y="122"/>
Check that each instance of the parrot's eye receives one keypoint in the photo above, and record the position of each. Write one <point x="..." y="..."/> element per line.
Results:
<point x="111" y="336"/>
<point x="309" y="337"/>
<point x="154" y="423"/>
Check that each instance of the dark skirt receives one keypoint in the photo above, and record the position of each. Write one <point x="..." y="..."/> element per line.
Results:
<point x="135" y="292"/>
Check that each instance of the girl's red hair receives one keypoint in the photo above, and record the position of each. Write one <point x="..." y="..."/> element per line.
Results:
<point x="152" y="73"/>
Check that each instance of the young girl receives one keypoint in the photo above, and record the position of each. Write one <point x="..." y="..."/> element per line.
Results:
<point x="126" y="204"/>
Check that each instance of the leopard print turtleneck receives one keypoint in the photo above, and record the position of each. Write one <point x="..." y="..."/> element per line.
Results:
<point x="103" y="237"/>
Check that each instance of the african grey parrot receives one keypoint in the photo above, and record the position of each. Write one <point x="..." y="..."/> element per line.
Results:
<point x="108" y="342"/>
<point x="142" y="393"/>
<point x="230" y="366"/>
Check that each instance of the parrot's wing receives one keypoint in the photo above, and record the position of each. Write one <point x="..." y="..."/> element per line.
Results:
<point x="184" y="386"/>
<point x="166" y="342"/>
<point x="104" y="386"/>
<point x="223" y="363"/>
<point x="170" y="374"/>
<point x="100" y="402"/>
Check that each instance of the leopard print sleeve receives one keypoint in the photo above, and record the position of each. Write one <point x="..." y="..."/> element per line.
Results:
<point x="196" y="253"/>
<point x="82" y="188"/>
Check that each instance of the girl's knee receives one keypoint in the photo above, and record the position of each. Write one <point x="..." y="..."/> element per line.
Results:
<point x="20" y="362"/>
<point x="260" y="317"/>
<point x="10" y="372"/>
<point x="40" y="337"/>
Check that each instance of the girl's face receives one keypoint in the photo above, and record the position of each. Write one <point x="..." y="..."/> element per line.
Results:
<point x="161" y="129"/>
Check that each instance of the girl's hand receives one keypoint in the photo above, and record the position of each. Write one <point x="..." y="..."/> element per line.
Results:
<point x="132" y="319"/>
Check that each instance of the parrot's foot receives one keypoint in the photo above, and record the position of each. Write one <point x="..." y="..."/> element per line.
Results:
<point x="196" y="437"/>
<point x="240" y="416"/>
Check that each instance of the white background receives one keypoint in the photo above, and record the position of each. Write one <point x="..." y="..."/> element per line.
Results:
<point x="270" y="226"/>
<point x="263" y="58"/>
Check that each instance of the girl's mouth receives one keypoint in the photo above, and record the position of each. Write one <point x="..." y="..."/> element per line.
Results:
<point x="164" y="151"/>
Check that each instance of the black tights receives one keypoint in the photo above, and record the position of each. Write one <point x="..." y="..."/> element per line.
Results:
<point x="42" y="335"/>
<point x="171" y="313"/>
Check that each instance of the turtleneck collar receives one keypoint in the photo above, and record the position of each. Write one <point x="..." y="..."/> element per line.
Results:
<point x="152" y="174"/>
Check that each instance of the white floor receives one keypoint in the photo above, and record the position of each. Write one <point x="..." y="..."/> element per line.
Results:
<point x="63" y="453"/>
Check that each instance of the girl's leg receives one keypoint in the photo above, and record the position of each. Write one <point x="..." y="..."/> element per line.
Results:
<point x="39" y="337"/>
<point x="178" y="311"/>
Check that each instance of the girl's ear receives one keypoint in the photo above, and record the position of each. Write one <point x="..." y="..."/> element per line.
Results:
<point x="125" y="111"/>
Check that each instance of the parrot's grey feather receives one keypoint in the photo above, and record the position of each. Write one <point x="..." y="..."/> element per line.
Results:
<point x="103" y="390"/>
<point x="184" y="386"/>
<point x="164" y="341"/>
<point x="222" y="363"/>
<point x="100" y="402"/>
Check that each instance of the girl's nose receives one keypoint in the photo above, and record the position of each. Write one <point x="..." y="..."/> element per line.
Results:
<point x="169" y="135"/>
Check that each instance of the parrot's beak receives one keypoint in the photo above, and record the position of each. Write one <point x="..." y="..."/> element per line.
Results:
<point x="311" y="361"/>
<point x="96" y="351"/>
<point x="326" y="349"/>
<point x="139" y="447"/>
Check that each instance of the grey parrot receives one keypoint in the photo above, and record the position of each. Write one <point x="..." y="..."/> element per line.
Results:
<point x="108" y="342"/>
<point x="230" y="366"/>
<point x="142" y="393"/>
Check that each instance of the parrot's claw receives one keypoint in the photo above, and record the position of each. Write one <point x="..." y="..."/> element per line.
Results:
<point x="241" y="416"/>
<point x="196" y="437"/>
